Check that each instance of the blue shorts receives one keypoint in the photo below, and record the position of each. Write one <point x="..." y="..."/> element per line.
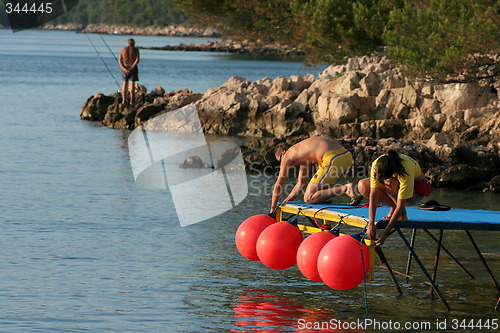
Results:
<point x="131" y="76"/>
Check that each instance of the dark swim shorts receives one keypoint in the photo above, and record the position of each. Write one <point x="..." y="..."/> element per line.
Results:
<point x="132" y="76"/>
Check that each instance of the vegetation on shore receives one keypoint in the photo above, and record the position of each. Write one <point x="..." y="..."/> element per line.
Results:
<point x="124" y="12"/>
<point x="444" y="40"/>
<point x="430" y="38"/>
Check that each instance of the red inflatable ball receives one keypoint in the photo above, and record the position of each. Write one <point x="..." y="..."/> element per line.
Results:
<point x="248" y="232"/>
<point x="277" y="245"/>
<point x="340" y="265"/>
<point x="307" y="255"/>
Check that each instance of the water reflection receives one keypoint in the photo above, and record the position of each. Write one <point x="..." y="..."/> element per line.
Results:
<point x="263" y="311"/>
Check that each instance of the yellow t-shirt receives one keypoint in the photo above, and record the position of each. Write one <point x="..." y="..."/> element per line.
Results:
<point x="406" y="181"/>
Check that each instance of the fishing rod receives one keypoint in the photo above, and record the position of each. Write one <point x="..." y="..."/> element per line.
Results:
<point x="108" y="47"/>
<point x="99" y="55"/>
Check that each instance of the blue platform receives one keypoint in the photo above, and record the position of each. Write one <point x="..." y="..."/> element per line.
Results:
<point x="454" y="219"/>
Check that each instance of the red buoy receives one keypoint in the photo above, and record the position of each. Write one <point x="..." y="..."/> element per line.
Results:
<point x="277" y="245"/>
<point x="307" y="255"/>
<point x="248" y="232"/>
<point x="340" y="265"/>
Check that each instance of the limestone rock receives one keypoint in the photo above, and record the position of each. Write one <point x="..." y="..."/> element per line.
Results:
<point x="193" y="162"/>
<point x="96" y="106"/>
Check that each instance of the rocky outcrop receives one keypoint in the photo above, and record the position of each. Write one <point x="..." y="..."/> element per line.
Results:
<point x="453" y="130"/>
<point x="232" y="47"/>
<point x="114" y="29"/>
<point x="108" y="110"/>
<point x="193" y="162"/>
<point x="368" y="97"/>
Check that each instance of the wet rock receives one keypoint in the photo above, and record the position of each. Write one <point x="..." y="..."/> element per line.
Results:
<point x="120" y="116"/>
<point x="96" y="107"/>
<point x="494" y="185"/>
<point x="456" y="176"/>
<point x="193" y="162"/>
<point x="109" y="111"/>
<point x="147" y="112"/>
<point x="227" y="158"/>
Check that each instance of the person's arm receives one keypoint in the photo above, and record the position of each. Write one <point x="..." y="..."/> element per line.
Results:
<point x="137" y="59"/>
<point x="371" y="230"/>
<point x="399" y="211"/>
<point x="301" y="183"/>
<point x="120" y="60"/>
<point x="278" y="186"/>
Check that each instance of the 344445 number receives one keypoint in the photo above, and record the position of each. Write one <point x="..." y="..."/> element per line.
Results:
<point x="19" y="7"/>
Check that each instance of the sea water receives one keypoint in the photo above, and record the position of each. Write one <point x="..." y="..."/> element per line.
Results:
<point x="83" y="248"/>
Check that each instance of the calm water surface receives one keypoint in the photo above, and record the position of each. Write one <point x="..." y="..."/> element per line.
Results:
<point x="85" y="249"/>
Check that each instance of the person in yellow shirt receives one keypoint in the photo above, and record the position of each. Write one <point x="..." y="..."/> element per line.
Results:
<point x="393" y="180"/>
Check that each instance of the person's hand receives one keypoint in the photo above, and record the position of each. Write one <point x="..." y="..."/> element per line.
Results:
<point x="381" y="240"/>
<point x="371" y="231"/>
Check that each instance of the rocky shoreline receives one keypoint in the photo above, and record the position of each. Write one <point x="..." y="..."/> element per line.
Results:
<point x="453" y="130"/>
<point x="230" y="47"/>
<point x="224" y="46"/>
<point x="113" y="29"/>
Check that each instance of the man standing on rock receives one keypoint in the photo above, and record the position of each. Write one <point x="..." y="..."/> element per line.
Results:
<point x="332" y="160"/>
<point x="128" y="60"/>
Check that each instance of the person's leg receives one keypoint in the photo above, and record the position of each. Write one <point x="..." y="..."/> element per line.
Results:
<point x="390" y="189"/>
<point x="132" y="91"/>
<point x="124" y="92"/>
<point x="387" y="193"/>
<point x="334" y="164"/>
<point x="364" y="187"/>
<point x="317" y="193"/>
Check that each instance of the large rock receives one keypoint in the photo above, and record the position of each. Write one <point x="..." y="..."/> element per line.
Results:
<point x="147" y="112"/>
<point x="457" y="176"/>
<point x="336" y="109"/>
<point x="96" y="107"/>
<point x="120" y="116"/>
<point x="370" y="84"/>
<point x="109" y="111"/>
<point x="460" y="96"/>
<point x="193" y="162"/>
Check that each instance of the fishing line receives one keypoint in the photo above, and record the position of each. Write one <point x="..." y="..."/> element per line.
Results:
<point x="108" y="47"/>
<point x="99" y="55"/>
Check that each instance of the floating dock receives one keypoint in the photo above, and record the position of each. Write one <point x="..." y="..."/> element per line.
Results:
<point x="326" y="216"/>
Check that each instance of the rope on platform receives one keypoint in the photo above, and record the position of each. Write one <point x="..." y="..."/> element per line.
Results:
<point x="322" y="226"/>
<point x="364" y="273"/>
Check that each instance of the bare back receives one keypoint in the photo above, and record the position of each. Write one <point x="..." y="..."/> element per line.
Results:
<point x="129" y="55"/>
<point x="311" y="150"/>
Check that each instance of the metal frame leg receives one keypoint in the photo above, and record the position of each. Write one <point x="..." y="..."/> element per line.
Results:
<point x="436" y="259"/>
<point x="451" y="255"/>
<point x="384" y="261"/>
<point x="408" y="263"/>
<point x="422" y="267"/>
<point x="492" y="277"/>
